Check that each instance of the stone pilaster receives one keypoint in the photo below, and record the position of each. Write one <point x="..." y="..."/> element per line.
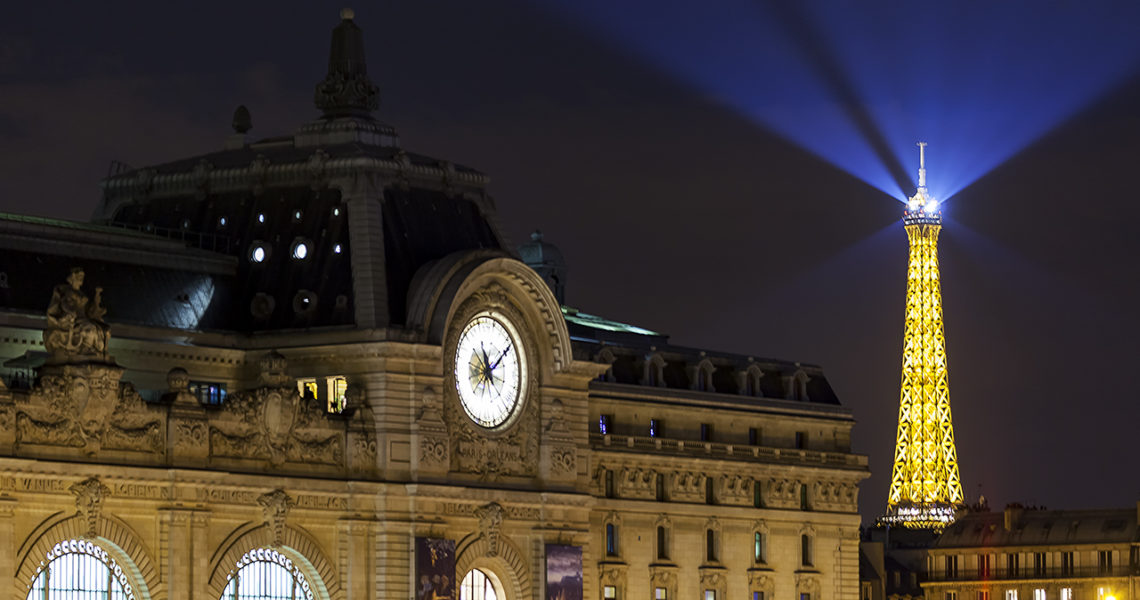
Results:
<point x="362" y="194"/>
<point x="357" y="569"/>
<point x="8" y="543"/>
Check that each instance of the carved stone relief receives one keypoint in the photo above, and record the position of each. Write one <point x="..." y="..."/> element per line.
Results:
<point x="86" y="406"/>
<point x="782" y="493"/>
<point x="434" y="447"/>
<point x="687" y="486"/>
<point x="490" y="523"/>
<point x="89" y="495"/>
<point x="275" y="423"/>
<point x="275" y="508"/>
<point x="635" y="482"/>
<point x="734" y="489"/>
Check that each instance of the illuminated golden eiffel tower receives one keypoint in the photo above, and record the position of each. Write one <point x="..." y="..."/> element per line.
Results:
<point x="926" y="491"/>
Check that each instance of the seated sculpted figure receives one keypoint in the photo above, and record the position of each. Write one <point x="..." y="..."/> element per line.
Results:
<point x="75" y="326"/>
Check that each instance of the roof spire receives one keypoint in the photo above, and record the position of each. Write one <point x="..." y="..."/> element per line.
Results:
<point x="346" y="91"/>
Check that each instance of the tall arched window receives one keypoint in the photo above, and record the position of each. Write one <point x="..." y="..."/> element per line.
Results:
<point x="81" y="569"/>
<point x="266" y="574"/>
<point x="477" y="586"/>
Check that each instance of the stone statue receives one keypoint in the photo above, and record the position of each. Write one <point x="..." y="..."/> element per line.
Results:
<point x="75" y="326"/>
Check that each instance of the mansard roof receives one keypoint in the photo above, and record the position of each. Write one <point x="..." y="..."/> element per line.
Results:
<point x="1025" y="527"/>
<point x="629" y="347"/>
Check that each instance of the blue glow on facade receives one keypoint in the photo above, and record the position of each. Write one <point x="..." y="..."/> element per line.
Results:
<point x="857" y="83"/>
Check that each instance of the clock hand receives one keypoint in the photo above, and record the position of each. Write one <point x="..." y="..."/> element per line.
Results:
<point x="501" y="355"/>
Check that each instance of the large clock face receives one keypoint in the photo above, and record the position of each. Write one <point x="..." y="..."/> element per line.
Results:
<point x="488" y="371"/>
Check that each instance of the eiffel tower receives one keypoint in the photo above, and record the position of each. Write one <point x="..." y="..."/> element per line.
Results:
<point x="926" y="491"/>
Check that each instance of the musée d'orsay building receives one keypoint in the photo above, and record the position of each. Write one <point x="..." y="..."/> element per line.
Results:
<point x="310" y="367"/>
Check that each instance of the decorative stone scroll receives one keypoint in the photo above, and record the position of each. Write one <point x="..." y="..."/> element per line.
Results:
<point x="275" y="423"/>
<point x="275" y="507"/>
<point x="490" y="523"/>
<point x="86" y="406"/>
<point x="89" y="495"/>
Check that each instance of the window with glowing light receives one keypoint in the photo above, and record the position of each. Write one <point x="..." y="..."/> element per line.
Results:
<point x="477" y="586"/>
<point x="300" y="249"/>
<point x="1066" y="593"/>
<point x="265" y="574"/>
<point x="1038" y="594"/>
<point x="1011" y="595"/>
<point x="80" y="570"/>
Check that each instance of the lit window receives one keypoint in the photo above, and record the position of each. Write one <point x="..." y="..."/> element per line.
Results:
<point x="268" y="574"/>
<point x="758" y="547"/>
<point x="660" y="594"/>
<point x="1011" y="595"/>
<point x="222" y="222"/>
<point x="604" y="424"/>
<point x="79" y="569"/>
<point x="1066" y="593"/>
<point x="336" y="248"/>
<point x="337" y="388"/>
<point x="1039" y="594"/>
<point x="307" y="388"/>
<point x="477" y="586"/>
<point x="300" y="250"/>
<point x="609" y="592"/>
<point x="297" y="215"/>
<point x="710" y="594"/>
<point x="336" y="211"/>
<point x="654" y="428"/>
<point x="260" y="217"/>
<point x="208" y="392"/>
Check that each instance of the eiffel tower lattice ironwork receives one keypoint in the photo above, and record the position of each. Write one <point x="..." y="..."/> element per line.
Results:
<point x="926" y="490"/>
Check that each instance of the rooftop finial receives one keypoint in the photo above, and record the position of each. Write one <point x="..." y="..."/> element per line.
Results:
<point x="921" y="164"/>
<point x="346" y="91"/>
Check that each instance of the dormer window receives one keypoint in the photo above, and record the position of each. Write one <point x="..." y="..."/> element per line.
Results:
<point x="336" y="211"/>
<point x="336" y="249"/>
<point x="297" y="215"/>
<point x="260" y="217"/>
<point x="222" y="222"/>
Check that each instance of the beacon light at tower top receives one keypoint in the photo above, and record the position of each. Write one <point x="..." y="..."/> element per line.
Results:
<point x="922" y="207"/>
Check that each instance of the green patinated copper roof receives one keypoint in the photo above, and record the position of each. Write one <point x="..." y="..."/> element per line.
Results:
<point x="595" y="322"/>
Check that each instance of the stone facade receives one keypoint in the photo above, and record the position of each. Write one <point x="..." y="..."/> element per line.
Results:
<point x="178" y="425"/>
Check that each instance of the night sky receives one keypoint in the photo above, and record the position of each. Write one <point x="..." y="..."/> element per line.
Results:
<point x="725" y="172"/>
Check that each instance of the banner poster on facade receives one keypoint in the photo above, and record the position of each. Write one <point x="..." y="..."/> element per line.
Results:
<point x="435" y="569"/>
<point x="563" y="572"/>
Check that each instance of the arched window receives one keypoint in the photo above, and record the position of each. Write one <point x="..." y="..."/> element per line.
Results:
<point x="81" y="569"/>
<point x="266" y="574"/>
<point x="477" y="586"/>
